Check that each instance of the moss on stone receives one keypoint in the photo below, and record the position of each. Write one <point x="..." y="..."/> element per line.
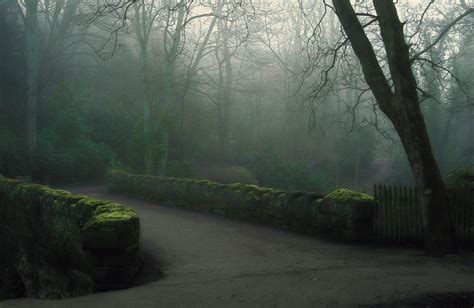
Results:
<point x="55" y="264"/>
<point x="106" y="220"/>
<point x="347" y="195"/>
<point x="236" y="187"/>
<point x="113" y="227"/>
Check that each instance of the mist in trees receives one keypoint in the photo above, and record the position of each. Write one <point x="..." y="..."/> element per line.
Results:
<point x="297" y="95"/>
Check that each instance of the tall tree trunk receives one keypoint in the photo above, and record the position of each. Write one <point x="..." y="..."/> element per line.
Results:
<point x="32" y="57"/>
<point x="165" y="113"/>
<point x="403" y="109"/>
<point x="148" y="153"/>
<point x="191" y="74"/>
<point x="226" y="93"/>
<point x="164" y="158"/>
<point x="166" y="105"/>
<point x="143" y="26"/>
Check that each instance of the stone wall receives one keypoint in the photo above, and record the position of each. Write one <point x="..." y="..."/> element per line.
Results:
<point x="61" y="245"/>
<point x="343" y="213"/>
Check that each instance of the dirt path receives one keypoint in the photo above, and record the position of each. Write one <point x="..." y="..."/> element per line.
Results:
<point x="213" y="261"/>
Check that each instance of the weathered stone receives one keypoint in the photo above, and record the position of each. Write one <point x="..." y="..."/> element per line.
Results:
<point x="341" y="212"/>
<point x="52" y="228"/>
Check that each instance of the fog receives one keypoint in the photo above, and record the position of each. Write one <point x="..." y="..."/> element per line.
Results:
<point x="225" y="153"/>
<point x="261" y="92"/>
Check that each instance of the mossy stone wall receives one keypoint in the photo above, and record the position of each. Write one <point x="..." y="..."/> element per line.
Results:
<point x="63" y="245"/>
<point x="344" y="214"/>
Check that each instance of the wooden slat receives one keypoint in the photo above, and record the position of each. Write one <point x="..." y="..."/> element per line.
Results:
<point x="381" y="221"/>
<point x="402" y="215"/>
<point x="414" y="206"/>
<point x="386" y="214"/>
<point x="462" y="222"/>
<point x="466" y="216"/>
<point x="399" y="214"/>
<point x="391" y="215"/>
<point x="377" y="209"/>
<point x="457" y="212"/>
<point x="471" y="215"/>
<point x="382" y="212"/>
<point x="411" y="214"/>
<point x="395" y="214"/>
<point x="419" y="218"/>
<point x="405" y="233"/>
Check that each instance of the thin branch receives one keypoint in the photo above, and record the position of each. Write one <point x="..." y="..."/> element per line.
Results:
<point x="443" y="33"/>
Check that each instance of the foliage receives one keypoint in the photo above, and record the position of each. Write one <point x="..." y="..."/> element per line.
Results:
<point x="12" y="160"/>
<point x="360" y="145"/>
<point x="179" y="169"/>
<point x="274" y="172"/>
<point x="463" y="177"/>
<point x="81" y="159"/>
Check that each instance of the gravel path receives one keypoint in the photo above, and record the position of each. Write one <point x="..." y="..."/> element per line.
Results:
<point x="216" y="262"/>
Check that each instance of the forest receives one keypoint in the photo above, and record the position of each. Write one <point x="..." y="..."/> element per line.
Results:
<point x="299" y="96"/>
<point x="232" y="91"/>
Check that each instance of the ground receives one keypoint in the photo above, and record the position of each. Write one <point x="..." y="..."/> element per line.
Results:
<point x="217" y="262"/>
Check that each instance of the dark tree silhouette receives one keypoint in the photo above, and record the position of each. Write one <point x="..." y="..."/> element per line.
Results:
<point x="401" y="104"/>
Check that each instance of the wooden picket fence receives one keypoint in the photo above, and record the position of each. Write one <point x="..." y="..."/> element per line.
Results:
<point x="398" y="214"/>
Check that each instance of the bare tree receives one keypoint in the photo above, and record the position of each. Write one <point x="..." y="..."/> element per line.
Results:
<point x="32" y="58"/>
<point x="47" y="26"/>
<point x="145" y="16"/>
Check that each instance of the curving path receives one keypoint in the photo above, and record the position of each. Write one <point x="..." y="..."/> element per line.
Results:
<point x="213" y="261"/>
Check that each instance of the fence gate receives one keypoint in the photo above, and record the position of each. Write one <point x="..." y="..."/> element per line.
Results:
<point x="398" y="214"/>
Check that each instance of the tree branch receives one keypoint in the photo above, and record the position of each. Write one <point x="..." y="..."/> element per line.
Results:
<point x="443" y="33"/>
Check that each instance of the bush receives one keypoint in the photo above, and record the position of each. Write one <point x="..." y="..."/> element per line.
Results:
<point x="12" y="154"/>
<point x="290" y="175"/>
<point x="90" y="160"/>
<point x="178" y="169"/>
<point x="81" y="160"/>
<point x="463" y="177"/>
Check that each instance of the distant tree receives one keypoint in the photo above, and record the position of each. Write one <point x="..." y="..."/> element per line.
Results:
<point x="47" y="27"/>
<point x="144" y="19"/>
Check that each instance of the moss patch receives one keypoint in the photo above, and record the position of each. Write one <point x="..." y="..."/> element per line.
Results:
<point x="347" y="195"/>
<point x="106" y="220"/>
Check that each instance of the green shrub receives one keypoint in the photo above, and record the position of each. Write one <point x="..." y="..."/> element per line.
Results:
<point x="459" y="178"/>
<point x="291" y="175"/>
<point x="178" y="169"/>
<point x="90" y="160"/>
<point x="12" y="158"/>
<point x="79" y="160"/>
